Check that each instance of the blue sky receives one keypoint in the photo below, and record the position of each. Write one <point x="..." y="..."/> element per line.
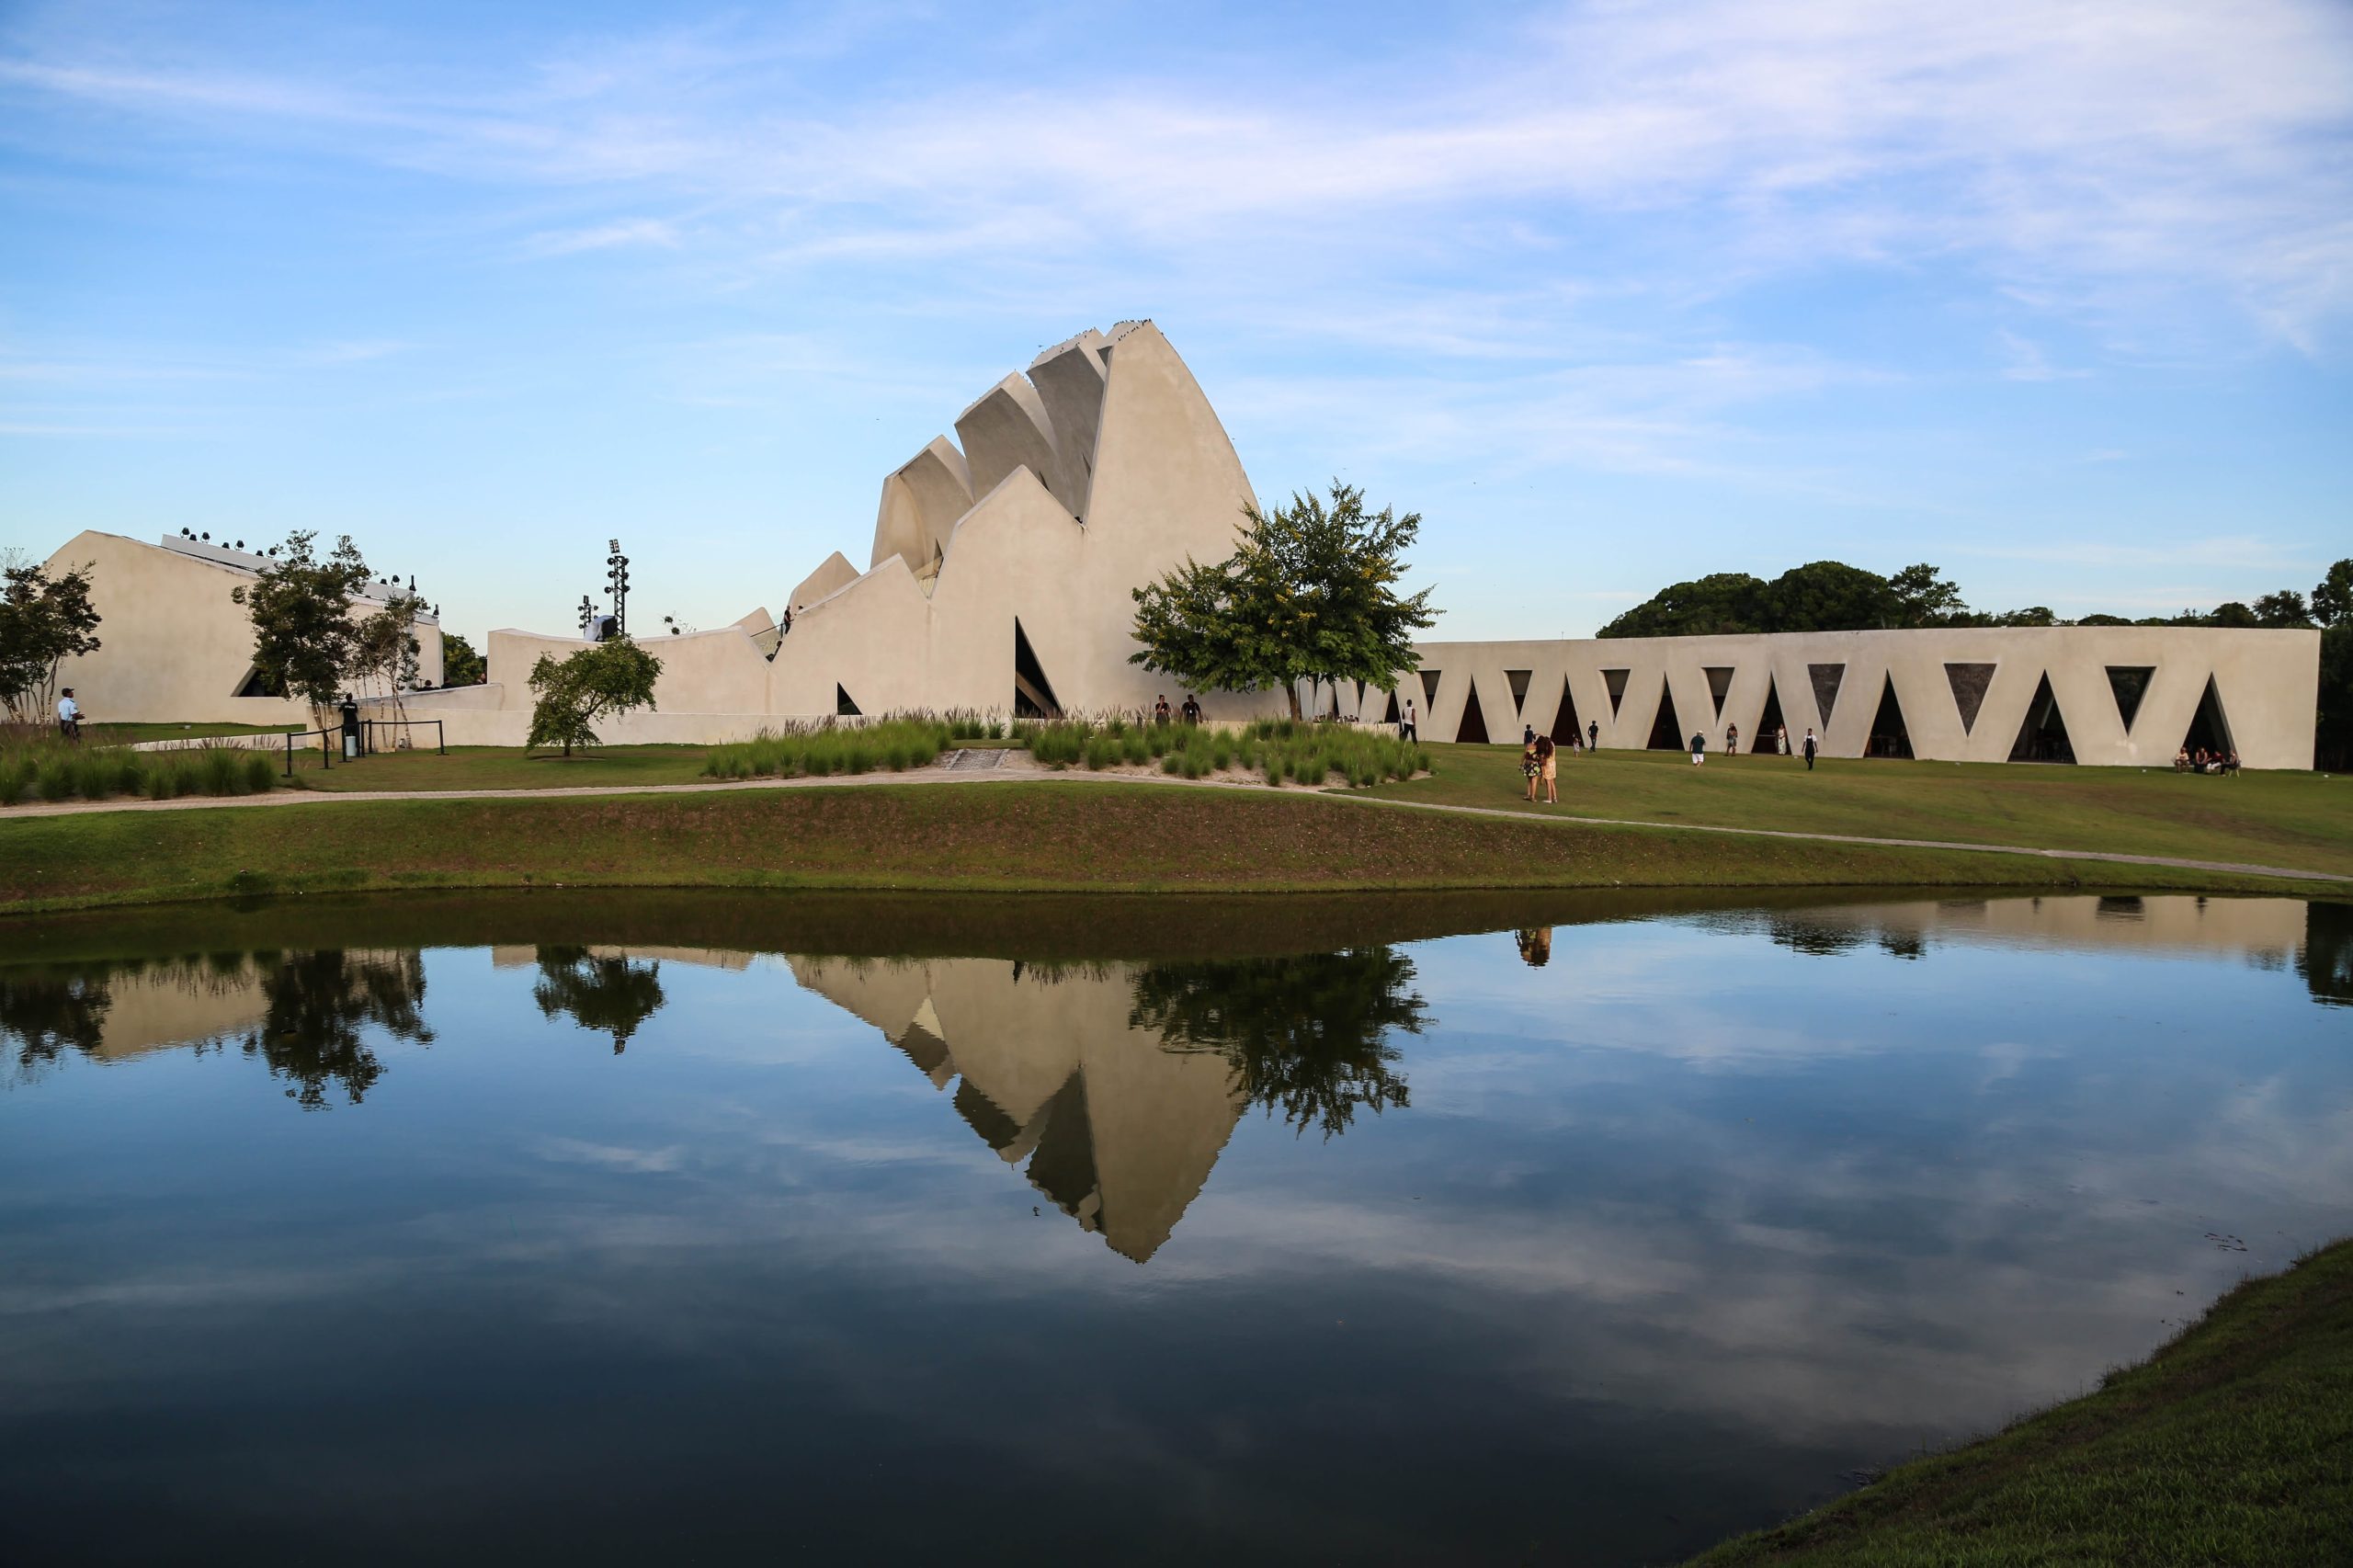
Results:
<point x="2056" y="296"/>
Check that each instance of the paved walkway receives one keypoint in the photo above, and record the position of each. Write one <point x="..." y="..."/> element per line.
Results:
<point x="967" y="767"/>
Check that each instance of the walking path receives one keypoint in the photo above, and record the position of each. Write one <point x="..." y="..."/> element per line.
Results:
<point x="980" y="768"/>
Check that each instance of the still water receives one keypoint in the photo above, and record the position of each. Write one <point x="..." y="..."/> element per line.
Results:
<point x="727" y="1229"/>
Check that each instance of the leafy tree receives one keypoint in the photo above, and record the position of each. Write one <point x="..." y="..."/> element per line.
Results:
<point x="2033" y="615"/>
<point x="460" y="665"/>
<point x="602" y="678"/>
<point x="610" y="995"/>
<point x="2333" y="729"/>
<point x="2333" y="595"/>
<point x="1830" y="595"/>
<point x="1309" y="594"/>
<point x="1307" y="1035"/>
<point x="1923" y="598"/>
<point x="2284" y="608"/>
<point x="1723" y="603"/>
<point x="384" y="648"/>
<point x="2231" y="612"/>
<point x="44" y="621"/>
<point x="304" y="638"/>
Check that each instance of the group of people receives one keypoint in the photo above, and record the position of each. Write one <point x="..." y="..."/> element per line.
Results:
<point x="1538" y="754"/>
<point x="1161" y="712"/>
<point x="2205" y="761"/>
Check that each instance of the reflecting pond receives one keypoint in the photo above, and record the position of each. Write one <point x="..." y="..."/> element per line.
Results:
<point x="553" y="1227"/>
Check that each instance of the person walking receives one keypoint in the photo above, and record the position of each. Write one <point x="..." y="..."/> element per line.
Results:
<point x="1781" y="739"/>
<point x="1731" y="738"/>
<point x="1160" y="710"/>
<point x="1192" y="709"/>
<point x="1406" y="729"/>
<point x="1698" y="748"/>
<point x="1547" y="759"/>
<point x="1810" y="748"/>
<point x="1593" y="735"/>
<point x="69" y="716"/>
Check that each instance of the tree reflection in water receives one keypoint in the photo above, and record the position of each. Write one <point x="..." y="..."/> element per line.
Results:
<point x="605" y="992"/>
<point x="318" y="1003"/>
<point x="1308" y="1036"/>
<point x="2327" y="960"/>
<point x="48" y="1014"/>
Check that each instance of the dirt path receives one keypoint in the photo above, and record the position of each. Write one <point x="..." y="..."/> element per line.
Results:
<point x="962" y="768"/>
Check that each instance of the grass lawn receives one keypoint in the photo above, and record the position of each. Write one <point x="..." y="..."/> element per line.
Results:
<point x="2299" y="820"/>
<point x="2232" y="1444"/>
<point x="1069" y="835"/>
<point x="507" y="768"/>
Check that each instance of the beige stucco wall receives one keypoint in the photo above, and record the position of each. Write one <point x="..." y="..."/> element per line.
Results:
<point x="174" y="645"/>
<point x="2267" y="682"/>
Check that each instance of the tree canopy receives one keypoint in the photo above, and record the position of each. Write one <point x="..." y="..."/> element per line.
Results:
<point x="1309" y="594"/>
<point x="460" y="664"/>
<point x="304" y="638"/>
<point x="574" y="693"/>
<point x="44" y="621"/>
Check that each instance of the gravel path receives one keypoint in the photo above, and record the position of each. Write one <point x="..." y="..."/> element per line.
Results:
<point x="983" y="767"/>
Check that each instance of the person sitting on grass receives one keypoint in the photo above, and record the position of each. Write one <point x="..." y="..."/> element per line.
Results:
<point x="2230" y="761"/>
<point x="2181" y="760"/>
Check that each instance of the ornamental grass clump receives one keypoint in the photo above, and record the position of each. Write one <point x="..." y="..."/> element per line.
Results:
<point x="818" y="750"/>
<point x="53" y="770"/>
<point x="1277" y="750"/>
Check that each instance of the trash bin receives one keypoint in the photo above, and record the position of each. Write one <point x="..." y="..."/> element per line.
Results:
<point x="351" y="728"/>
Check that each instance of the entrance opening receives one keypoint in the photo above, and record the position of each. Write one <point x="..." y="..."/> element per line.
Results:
<point x="1667" y="733"/>
<point x="1888" y="737"/>
<point x="2208" y="728"/>
<point x="1473" y="727"/>
<point x="1969" y="683"/>
<point x="1825" y="688"/>
<point x="256" y="684"/>
<point x="2131" y="682"/>
<point x="1033" y="694"/>
<point x="1390" y="717"/>
<point x="1718" y="683"/>
<point x="1565" y="726"/>
<point x="1770" y="721"/>
<point x="843" y="707"/>
<point x="1429" y="689"/>
<point x="2043" y="736"/>
<point x="1615" y="681"/>
<point x="1518" y="681"/>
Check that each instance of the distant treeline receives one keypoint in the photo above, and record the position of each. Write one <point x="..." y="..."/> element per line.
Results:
<point x="1830" y="595"/>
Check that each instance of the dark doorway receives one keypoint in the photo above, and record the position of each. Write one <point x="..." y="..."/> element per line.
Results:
<point x="1889" y="737"/>
<point x="1969" y="683"/>
<point x="1825" y="690"/>
<point x="1472" y="731"/>
<point x="1390" y="717"/>
<point x="1615" y="681"/>
<point x="1719" y="683"/>
<point x="1770" y="721"/>
<point x="2209" y="728"/>
<point x="1667" y="733"/>
<point x="2043" y="736"/>
<point x="2131" y="682"/>
<point x="1033" y="694"/>
<point x="843" y="707"/>
<point x="1565" y="727"/>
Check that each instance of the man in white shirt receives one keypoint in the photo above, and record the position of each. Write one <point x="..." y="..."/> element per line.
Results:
<point x="1407" y="731"/>
<point x="69" y="716"/>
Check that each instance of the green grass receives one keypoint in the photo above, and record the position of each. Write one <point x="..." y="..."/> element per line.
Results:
<point x="2233" y="1444"/>
<point x="507" y="768"/>
<point x="1277" y="751"/>
<point x="53" y="770"/>
<point x="2302" y="820"/>
<point x="1066" y="837"/>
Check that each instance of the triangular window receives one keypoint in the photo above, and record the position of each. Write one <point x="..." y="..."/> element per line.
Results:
<point x="1770" y="722"/>
<point x="1969" y="683"/>
<point x="2131" y="682"/>
<point x="1518" y="679"/>
<point x="1825" y="688"/>
<point x="1473" y="728"/>
<point x="1889" y="737"/>
<point x="256" y="684"/>
<point x="1429" y="688"/>
<point x="1565" y="726"/>
<point x="1667" y="733"/>
<point x="1615" y="681"/>
<point x="1033" y="694"/>
<point x="2043" y="736"/>
<point x="843" y="707"/>
<point x="1718" y="683"/>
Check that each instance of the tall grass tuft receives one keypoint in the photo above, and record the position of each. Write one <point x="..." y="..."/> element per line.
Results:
<point x="51" y="769"/>
<point x="815" y="751"/>
<point x="1275" y="749"/>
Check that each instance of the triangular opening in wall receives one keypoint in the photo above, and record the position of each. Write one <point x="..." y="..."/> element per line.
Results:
<point x="1429" y="688"/>
<point x="843" y="707"/>
<point x="1769" y="722"/>
<point x="1889" y="735"/>
<point x="1033" y="694"/>
<point x="1391" y="715"/>
<point x="256" y="684"/>
<point x="1615" y="681"/>
<point x="1063" y="1166"/>
<point x="2131" y="682"/>
<point x="1565" y="726"/>
<point x="1472" y="731"/>
<point x="1518" y="681"/>
<point x="1969" y="683"/>
<point x="1825" y="688"/>
<point x="1719" y="683"/>
<point x="2043" y="736"/>
<point x="1667" y="733"/>
<point x="2210" y="730"/>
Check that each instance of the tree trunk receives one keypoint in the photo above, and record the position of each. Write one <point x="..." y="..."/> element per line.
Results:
<point x="1290" y="690"/>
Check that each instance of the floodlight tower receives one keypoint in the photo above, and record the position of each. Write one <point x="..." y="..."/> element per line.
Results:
<point x="616" y="585"/>
<point x="587" y="616"/>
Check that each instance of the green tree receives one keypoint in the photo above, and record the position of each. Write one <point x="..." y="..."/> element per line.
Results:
<point x="2332" y="605"/>
<point x="1924" y="599"/>
<point x="304" y="638"/>
<point x="2333" y="595"/>
<point x="44" y="621"/>
<point x="1309" y="594"/>
<point x="2285" y="608"/>
<point x="1830" y="595"/>
<point x="605" y="677"/>
<point x="2230" y="612"/>
<point x="384" y="647"/>
<point x="460" y="665"/>
<point x="1722" y="603"/>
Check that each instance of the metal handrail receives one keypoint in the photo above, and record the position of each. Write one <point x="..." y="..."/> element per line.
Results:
<point x="368" y="728"/>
